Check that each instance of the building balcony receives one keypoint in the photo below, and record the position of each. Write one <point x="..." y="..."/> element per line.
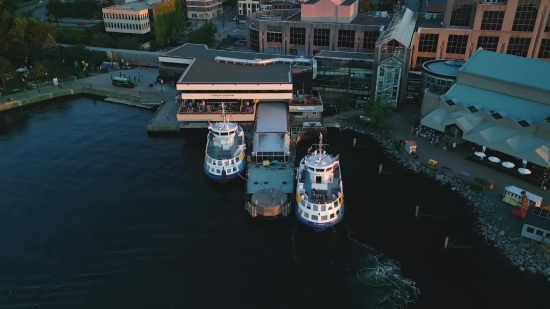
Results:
<point x="213" y="113"/>
<point x="306" y="102"/>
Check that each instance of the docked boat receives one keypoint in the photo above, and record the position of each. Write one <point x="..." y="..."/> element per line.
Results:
<point x="319" y="189"/>
<point x="225" y="150"/>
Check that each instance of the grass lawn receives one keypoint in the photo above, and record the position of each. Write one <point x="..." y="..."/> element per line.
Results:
<point x="12" y="84"/>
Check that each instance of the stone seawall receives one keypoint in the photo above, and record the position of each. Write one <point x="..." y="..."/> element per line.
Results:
<point x="60" y="92"/>
<point x="520" y="251"/>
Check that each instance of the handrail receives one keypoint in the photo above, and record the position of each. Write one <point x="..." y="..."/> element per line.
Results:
<point x="310" y="62"/>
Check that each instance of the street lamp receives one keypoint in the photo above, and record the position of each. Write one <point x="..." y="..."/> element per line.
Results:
<point x="349" y="82"/>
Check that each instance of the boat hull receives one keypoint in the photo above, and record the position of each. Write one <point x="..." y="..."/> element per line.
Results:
<point x="229" y="177"/>
<point x="318" y="227"/>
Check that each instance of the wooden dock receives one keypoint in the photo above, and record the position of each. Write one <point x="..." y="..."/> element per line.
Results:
<point x="164" y="120"/>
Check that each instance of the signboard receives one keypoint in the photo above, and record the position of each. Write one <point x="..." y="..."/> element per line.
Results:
<point x="222" y="95"/>
<point x="55" y="82"/>
<point x="306" y="108"/>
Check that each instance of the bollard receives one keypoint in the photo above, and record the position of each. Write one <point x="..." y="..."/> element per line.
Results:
<point x="446" y="242"/>
<point x="380" y="169"/>
<point x="416" y="212"/>
<point x="354" y="142"/>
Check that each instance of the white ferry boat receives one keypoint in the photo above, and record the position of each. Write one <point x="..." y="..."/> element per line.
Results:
<point x="225" y="150"/>
<point x="319" y="189"/>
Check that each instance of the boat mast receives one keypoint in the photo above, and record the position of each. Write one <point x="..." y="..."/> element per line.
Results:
<point x="320" y="146"/>
<point x="224" y="117"/>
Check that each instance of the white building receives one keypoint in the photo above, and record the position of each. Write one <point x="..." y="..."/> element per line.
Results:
<point x="130" y="18"/>
<point x="204" y="10"/>
<point x="247" y="7"/>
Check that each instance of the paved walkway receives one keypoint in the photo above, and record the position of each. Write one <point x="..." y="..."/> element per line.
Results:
<point x="402" y="124"/>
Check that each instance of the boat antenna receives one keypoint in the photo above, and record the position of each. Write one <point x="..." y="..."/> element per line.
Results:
<point x="224" y="116"/>
<point x="320" y="145"/>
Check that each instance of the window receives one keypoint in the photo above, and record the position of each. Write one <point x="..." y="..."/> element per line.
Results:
<point x="492" y="20"/>
<point x="457" y="44"/>
<point x="274" y="37"/>
<point x="421" y="60"/>
<point x="324" y="218"/>
<point x="547" y="28"/>
<point x="321" y="37"/>
<point x="315" y="208"/>
<point x="518" y="46"/>
<point x="314" y="218"/>
<point x="298" y="36"/>
<point x="526" y="15"/>
<point x="306" y="214"/>
<point x="539" y="233"/>
<point x="428" y="43"/>
<point x="254" y="40"/>
<point x="346" y="38"/>
<point x="530" y="230"/>
<point x="488" y="43"/>
<point x="544" y="50"/>
<point x="323" y="207"/>
<point x="462" y="13"/>
<point x="370" y="38"/>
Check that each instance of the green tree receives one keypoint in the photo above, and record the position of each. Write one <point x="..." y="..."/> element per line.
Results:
<point x="343" y="102"/>
<point x="77" y="53"/>
<point x="40" y="71"/>
<point x="364" y="5"/>
<point x="58" y="10"/>
<point x="378" y="117"/>
<point x="153" y="46"/>
<point x="168" y="18"/>
<point x="98" y="57"/>
<point x="102" y="40"/>
<point x="7" y="70"/>
<point x="9" y="5"/>
<point x="204" y="34"/>
<point x="131" y="43"/>
<point x="387" y="5"/>
<point x="231" y="3"/>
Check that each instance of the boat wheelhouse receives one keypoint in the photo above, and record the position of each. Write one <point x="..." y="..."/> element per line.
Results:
<point x="225" y="150"/>
<point x="319" y="189"/>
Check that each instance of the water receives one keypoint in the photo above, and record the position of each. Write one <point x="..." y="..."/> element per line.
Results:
<point x="96" y="214"/>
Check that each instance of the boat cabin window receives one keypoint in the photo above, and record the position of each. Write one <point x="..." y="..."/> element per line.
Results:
<point x="318" y="179"/>
<point x="319" y="170"/>
<point x="311" y="168"/>
<point x="306" y="214"/>
<point x="332" y="216"/>
<point x="329" y="169"/>
<point x="323" y="207"/>
<point x="324" y="218"/>
<point x="315" y="208"/>
<point x="314" y="217"/>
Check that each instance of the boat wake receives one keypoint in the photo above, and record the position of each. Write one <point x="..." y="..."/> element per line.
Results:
<point x="368" y="278"/>
<point x="383" y="276"/>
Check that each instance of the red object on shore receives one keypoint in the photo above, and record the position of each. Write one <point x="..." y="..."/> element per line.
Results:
<point x="519" y="212"/>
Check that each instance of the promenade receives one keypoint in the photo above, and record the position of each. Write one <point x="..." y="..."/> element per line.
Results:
<point x="457" y="162"/>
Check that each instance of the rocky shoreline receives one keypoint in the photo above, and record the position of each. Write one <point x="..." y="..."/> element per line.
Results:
<point x="520" y="251"/>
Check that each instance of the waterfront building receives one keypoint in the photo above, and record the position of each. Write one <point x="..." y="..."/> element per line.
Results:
<point x="128" y="18"/>
<point x="499" y="101"/>
<point x="206" y="78"/>
<point x="440" y="75"/>
<point x="204" y="10"/>
<point x="455" y="29"/>
<point x="366" y="55"/>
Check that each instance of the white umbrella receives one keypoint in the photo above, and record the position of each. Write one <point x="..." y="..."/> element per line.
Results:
<point x="508" y="164"/>
<point x="524" y="171"/>
<point x="480" y="154"/>
<point x="494" y="159"/>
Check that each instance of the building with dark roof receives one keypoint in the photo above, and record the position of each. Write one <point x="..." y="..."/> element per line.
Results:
<point x="374" y="48"/>
<point x="499" y="101"/>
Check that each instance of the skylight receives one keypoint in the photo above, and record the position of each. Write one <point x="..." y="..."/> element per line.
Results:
<point x="472" y="109"/>
<point x="496" y="115"/>
<point x="450" y="102"/>
<point x="523" y="123"/>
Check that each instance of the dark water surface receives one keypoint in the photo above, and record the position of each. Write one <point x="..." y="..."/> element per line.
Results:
<point x="96" y="214"/>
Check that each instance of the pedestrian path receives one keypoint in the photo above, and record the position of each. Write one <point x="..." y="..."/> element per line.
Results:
<point x="456" y="163"/>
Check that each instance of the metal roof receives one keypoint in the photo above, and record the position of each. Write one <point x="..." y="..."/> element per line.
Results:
<point x="401" y="28"/>
<point x="493" y="102"/>
<point x="509" y="68"/>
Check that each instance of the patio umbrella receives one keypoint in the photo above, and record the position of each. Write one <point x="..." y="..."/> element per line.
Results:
<point x="508" y="164"/>
<point x="524" y="171"/>
<point x="480" y="154"/>
<point x="494" y="159"/>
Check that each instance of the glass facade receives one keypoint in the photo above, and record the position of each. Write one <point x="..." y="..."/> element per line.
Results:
<point x="440" y="83"/>
<point x="338" y="76"/>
